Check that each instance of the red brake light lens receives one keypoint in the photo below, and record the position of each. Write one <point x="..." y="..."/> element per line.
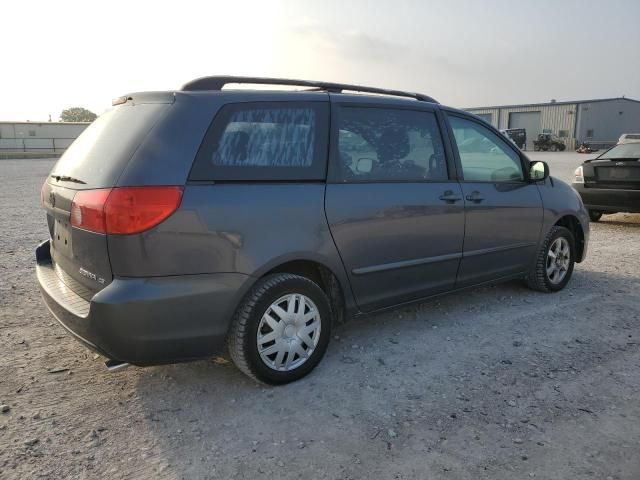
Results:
<point x="136" y="209"/>
<point x="87" y="210"/>
<point x="124" y="211"/>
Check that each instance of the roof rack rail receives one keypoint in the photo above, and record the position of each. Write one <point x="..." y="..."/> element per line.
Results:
<point x="217" y="82"/>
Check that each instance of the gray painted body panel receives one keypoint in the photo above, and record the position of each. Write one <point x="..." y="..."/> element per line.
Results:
<point x="501" y="232"/>
<point x="560" y="200"/>
<point x="398" y="241"/>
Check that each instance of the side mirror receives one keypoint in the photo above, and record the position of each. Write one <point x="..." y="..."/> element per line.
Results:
<point x="538" y="170"/>
<point x="364" y="165"/>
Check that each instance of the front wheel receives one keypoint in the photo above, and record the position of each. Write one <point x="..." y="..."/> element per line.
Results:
<point x="595" y="215"/>
<point x="281" y="329"/>
<point x="554" y="262"/>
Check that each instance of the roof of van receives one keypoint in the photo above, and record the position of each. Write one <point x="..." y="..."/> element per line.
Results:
<point x="217" y="83"/>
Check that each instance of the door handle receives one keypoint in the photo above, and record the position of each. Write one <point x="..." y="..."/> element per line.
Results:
<point x="474" y="197"/>
<point x="450" y="197"/>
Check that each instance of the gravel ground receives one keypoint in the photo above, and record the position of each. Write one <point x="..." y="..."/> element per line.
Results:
<point x="493" y="383"/>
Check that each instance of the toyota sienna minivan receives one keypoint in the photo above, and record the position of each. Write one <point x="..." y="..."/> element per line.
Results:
<point x="188" y="221"/>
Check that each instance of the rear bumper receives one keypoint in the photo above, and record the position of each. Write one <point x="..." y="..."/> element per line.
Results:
<point x="609" y="200"/>
<point x="146" y="321"/>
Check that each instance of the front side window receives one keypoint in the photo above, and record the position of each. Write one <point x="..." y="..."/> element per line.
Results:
<point x="485" y="157"/>
<point x="265" y="141"/>
<point x="378" y="144"/>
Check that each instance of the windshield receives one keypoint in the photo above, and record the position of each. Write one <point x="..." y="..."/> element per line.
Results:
<point x="625" y="150"/>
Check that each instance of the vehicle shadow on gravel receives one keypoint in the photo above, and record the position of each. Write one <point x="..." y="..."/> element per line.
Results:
<point x="401" y="383"/>
<point x="617" y="223"/>
<point x="620" y="219"/>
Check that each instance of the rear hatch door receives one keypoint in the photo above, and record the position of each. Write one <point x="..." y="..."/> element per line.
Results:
<point x="79" y="257"/>
<point x="94" y="161"/>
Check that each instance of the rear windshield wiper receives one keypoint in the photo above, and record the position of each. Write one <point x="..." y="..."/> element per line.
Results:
<point x="67" y="178"/>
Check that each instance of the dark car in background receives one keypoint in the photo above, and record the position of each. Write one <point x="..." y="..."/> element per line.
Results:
<point x="610" y="183"/>
<point x="183" y="222"/>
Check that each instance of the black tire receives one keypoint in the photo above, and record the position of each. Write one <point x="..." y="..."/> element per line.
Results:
<point x="553" y="147"/>
<point x="595" y="215"/>
<point x="242" y="339"/>
<point x="538" y="278"/>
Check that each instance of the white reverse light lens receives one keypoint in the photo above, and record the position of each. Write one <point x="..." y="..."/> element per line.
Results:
<point x="579" y="176"/>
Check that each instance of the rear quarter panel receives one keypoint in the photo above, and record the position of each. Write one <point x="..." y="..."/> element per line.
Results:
<point x="233" y="227"/>
<point x="166" y="155"/>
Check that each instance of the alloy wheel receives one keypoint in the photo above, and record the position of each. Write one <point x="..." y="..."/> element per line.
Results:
<point x="558" y="260"/>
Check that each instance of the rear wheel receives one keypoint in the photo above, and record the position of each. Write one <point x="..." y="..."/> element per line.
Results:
<point x="553" y="148"/>
<point x="281" y="329"/>
<point x="595" y="215"/>
<point x="554" y="263"/>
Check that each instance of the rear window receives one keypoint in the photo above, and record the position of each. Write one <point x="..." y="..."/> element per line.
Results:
<point x="100" y="154"/>
<point x="624" y="150"/>
<point x="265" y="141"/>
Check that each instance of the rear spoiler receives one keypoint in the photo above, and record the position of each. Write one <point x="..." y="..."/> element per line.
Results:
<point x="145" y="97"/>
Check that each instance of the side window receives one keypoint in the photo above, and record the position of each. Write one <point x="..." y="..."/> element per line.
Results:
<point x="265" y="141"/>
<point x="485" y="157"/>
<point x="378" y="144"/>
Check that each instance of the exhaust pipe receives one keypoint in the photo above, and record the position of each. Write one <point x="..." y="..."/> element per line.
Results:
<point x="113" y="365"/>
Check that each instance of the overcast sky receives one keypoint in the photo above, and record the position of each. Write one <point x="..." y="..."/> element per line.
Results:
<point x="57" y="54"/>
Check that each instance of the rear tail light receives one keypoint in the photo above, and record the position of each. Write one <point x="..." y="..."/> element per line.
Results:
<point x="579" y="176"/>
<point x="124" y="211"/>
<point x="87" y="210"/>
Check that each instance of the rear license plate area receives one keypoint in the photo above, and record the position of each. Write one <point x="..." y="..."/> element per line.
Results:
<point x="61" y="240"/>
<point x="618" y="173"/>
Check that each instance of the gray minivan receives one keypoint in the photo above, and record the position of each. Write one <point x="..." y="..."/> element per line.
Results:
<point x="181" y="222"/>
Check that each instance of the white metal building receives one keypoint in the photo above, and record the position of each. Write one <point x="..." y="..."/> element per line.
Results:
<point x="33" y="138"/>
<point x="597" y="122"/>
